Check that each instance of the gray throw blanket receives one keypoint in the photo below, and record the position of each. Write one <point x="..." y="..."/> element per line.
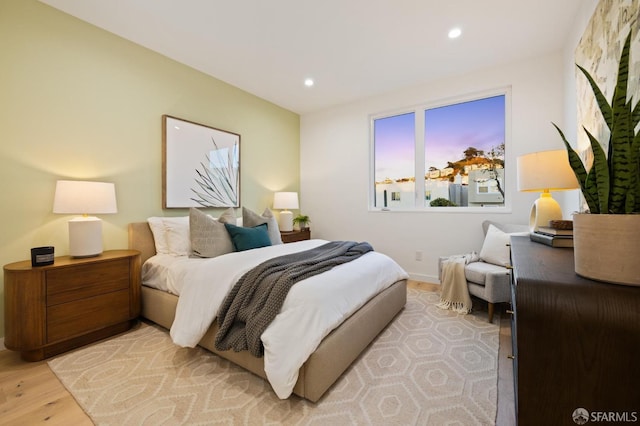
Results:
<point x="256" y="299"/>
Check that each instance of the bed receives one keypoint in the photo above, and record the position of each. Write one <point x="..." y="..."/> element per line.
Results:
<point x="324" y="366"/>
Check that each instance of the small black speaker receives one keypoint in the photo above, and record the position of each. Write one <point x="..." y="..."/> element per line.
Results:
<point x="42" y="256"/>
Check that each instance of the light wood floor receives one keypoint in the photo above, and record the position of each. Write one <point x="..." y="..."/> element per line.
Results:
<point x="31" y="394"/>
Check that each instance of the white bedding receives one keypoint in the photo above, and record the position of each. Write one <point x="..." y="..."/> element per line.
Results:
<point x="312" y="309"/>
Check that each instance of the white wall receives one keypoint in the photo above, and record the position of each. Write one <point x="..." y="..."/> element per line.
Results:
<point x="334" y="165"/>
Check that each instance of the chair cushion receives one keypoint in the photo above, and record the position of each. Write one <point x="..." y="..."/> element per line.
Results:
<point x="477" y="272"/>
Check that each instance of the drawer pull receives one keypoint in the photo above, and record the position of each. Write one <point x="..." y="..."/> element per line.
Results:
<point x="511" y="356"/>
<point x="509" y="311"/>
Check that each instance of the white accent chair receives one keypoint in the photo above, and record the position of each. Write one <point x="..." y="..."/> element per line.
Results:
<point x="489" y="278"/>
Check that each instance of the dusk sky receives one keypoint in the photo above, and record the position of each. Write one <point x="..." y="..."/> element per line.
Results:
<point x="449" y="130"/>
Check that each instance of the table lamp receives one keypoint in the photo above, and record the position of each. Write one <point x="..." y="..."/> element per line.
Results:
<point x="285" y="201"/>
<point x="83" y="197"/>
<point x="543" y="172"/>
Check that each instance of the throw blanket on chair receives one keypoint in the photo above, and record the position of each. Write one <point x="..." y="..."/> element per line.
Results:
<point x="455" y="294"/>
<point x="256" y="299"/>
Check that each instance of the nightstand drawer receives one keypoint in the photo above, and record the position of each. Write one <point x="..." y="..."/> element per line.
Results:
<point x="74" y="318"/>
<point x="83" y="281"/>
<point x="293" y="236"/>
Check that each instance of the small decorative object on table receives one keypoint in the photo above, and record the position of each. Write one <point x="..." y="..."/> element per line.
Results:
<point x="559" y="233"/>
<point x="42" y="256"/>
<point x="552" y="240"/>
<point x="302" y="220"/>
<point x="561" y="224"/>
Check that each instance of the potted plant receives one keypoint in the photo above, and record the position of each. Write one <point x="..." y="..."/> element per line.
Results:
<point x="607" y="236"/>
<point x="301" y="220"/>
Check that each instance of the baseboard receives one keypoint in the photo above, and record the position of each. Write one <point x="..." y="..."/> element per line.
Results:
<point x="433" y="279"/>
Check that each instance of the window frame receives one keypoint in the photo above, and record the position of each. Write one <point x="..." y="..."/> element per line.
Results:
<point x="419" y="154"/>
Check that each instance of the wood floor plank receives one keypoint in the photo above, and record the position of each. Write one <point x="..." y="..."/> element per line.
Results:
<point x="31" y="394"/>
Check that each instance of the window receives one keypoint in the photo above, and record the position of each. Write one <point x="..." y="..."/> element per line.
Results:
<point x="463" y="147"/>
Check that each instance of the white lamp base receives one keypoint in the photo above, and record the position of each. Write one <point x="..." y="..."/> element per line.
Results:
<point x="85" y="236"/>
<point x="543" y="210"/>
<point x="286" y="221"/>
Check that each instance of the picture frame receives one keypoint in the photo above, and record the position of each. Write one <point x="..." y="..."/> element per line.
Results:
<point x="200" y="165"/>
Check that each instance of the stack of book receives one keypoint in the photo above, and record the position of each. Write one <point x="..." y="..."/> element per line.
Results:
<point x="552" y="236"/>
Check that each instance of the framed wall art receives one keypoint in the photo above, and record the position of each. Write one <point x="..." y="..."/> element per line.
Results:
<point x="200" y="165"/>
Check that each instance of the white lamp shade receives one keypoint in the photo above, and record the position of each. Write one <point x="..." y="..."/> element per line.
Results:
<point x="545" y="171"/>
<point x="285" y="200"/>
<point x="83" y="197"/>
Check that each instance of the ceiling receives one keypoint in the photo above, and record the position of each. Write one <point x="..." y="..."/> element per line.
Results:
<point x="352" y="48"/>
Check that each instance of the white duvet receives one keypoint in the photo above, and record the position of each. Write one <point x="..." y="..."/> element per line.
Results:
<point x="312" y="309"/>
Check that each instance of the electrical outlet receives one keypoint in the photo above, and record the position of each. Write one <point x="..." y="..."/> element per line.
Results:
<point x="418" y="255"/>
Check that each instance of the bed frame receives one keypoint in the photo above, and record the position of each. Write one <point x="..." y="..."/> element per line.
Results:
<point x="332" y="357"/>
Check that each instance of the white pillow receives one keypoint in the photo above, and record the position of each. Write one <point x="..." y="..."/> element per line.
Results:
<point x="159" y="237"/>
<point x="171" y="235"/>
<point x="177" y="233"/>
<point x="495" y="249"/>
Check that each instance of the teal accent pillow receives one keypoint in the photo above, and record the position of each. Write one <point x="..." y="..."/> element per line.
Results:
<point x="248" y="238"/>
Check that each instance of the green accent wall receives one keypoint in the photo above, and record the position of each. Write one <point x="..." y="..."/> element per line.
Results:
<point x="77" y="102"/>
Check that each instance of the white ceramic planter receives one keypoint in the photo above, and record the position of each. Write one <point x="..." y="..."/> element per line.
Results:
<point x="607" y="247"/>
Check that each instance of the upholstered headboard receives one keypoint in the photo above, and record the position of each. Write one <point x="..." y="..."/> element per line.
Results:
<point x="141" y="239"/>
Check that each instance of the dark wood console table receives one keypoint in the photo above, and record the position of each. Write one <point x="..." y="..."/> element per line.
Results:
<point x="576" y="342"/>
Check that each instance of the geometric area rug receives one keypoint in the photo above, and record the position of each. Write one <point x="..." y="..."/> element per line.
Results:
<point x="428" y="367"/>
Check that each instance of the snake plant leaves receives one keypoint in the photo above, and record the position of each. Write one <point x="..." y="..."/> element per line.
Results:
<point x="635" y="115"/>
<point x="620" y="165"/>
<point x="612" y="185"/>
<point x="598" y="179"/>
<point x="591" y="194"/>
<point x="603" y="104"/>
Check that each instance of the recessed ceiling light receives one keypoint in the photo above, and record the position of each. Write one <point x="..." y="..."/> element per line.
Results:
<point x="308" y="82"/>
<point x="455" y="32"/>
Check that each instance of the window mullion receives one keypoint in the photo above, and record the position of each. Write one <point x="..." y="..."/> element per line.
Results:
<point x="419" y="159"/>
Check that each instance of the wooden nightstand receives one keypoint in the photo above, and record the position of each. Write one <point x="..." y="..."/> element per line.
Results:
<point x="293" y="236"/>
<point x="51" y="309"/>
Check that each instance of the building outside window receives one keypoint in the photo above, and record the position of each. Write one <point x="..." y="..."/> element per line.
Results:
<point x="461" y="150"/>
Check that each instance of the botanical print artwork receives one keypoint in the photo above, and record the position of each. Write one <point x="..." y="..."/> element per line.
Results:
<point x="201" y="165"/>
<point x="599" y="53"/>
<point x="217" y="181"/>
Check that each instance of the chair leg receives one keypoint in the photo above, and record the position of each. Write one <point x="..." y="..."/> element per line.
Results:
<point x="491" y="308"/>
